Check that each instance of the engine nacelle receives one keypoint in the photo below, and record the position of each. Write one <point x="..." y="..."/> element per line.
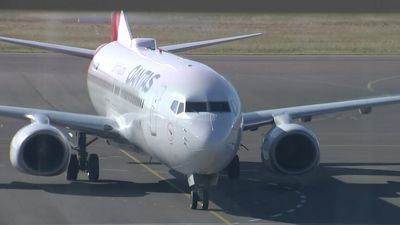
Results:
<point x="40" y="149"/>
<point x="290" y="149"/>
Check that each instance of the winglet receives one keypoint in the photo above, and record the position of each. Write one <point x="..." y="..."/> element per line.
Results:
<point x="121" y="31"/>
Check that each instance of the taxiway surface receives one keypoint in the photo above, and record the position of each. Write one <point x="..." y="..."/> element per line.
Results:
<point x="358" y="180"/>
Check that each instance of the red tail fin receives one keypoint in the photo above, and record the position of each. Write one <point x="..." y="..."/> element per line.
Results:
<point x="115" y="16"/>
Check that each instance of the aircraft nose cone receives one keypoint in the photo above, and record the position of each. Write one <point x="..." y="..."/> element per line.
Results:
<point x="212" y="143"/>
<point x="209" y="132"/>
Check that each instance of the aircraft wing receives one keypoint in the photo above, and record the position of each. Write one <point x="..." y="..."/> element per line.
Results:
<point x="253" y="120"/>
<point x="95" y="125"/>
<point x="198" y="44"/>
<point x="81" y="52"/>
<point x="89" y="53"/>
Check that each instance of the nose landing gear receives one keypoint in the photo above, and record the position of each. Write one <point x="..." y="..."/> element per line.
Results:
<point x="197" y="195"/>
<point x="199" y="185"/>
<point x="82" y="162"/>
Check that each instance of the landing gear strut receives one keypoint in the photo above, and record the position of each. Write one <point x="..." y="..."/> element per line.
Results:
<point x="82" y="162"/>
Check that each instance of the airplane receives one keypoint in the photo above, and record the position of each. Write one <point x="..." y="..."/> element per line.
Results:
<point x="181" y="112"/>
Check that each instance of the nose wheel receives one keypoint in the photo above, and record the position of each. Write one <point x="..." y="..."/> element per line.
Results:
<point x="199" y="184"/>
<point x="81" y="161"/>
<point x="197" y="196"/>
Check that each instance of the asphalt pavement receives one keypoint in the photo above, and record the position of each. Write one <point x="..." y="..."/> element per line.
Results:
<point x="358" y="181"/>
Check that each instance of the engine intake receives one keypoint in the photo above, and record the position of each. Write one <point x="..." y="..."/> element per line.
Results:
<point x="290" y="149"/>
<point x="40" y="149"/>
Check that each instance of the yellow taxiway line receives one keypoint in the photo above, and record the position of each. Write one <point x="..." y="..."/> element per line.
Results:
<point x="156" y="174"/>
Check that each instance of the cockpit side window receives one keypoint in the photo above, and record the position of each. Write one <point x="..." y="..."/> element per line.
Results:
<point x="233" y="106"/>
<point x="180" y="108"/>
<point x="174" y="106"/>
<point x="177" y="107"/>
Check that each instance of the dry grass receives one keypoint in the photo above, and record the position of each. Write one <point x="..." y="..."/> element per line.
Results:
<point x="283" y="33"/>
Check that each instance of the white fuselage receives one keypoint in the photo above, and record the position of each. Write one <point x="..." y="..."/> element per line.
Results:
<point x="177" y="110"/>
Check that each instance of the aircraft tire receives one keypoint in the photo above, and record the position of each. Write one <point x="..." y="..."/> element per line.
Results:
<point x="194" y="198"/>
<point x="73" y="168"/>
<point x="205" y="200"/>
<point x="93" y="167"/>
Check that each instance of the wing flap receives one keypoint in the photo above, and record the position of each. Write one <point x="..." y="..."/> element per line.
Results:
<point x="81" y="52"/>
<point x="199" y="44"/>
<point x="253" y="120"/>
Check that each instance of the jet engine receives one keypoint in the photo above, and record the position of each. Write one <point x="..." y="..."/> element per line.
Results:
<point x="40" y="149"/>
<point x="290" y="149"/>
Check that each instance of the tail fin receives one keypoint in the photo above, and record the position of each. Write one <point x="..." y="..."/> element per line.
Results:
<point x="121" y="31"/>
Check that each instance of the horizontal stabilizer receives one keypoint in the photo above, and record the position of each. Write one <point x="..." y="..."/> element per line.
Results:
<point x="199" y="44"/>
<point x="81" y="52"/>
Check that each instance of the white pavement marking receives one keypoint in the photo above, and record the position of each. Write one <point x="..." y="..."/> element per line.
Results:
<point x="302" y="201"/>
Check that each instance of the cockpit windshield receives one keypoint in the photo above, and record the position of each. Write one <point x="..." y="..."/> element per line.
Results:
<point x="191" y="107"/>
<point x="207" y="107"/>
<point x="219" y="107"/>
<point x="196" y="107"/>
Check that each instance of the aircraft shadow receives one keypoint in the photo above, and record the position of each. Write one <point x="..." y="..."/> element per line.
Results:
<point x="325" y="196"/>
<point x="102" y="188"/>
<point x="263" y="195"/>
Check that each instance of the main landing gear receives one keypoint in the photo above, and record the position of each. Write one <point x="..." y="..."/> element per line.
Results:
<point x="199" y="184"/>
<point x="82" y="162"/>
